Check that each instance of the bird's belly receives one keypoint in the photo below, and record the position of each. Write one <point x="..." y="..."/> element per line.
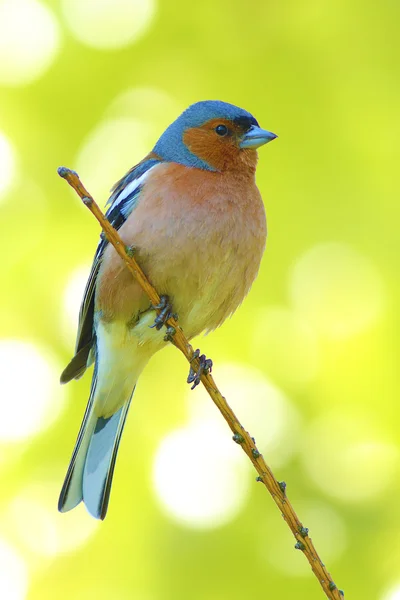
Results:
<point x="209" y="279"/>
<point x="205" y="280"/>
<point x="204" y="253"/>
<point x="204" y="298"/>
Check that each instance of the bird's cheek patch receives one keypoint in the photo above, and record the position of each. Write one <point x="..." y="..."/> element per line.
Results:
<point x="207" y="146"/>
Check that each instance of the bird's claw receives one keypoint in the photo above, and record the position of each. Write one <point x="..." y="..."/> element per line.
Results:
<point x="165" y="308"/>
<point x="205" y="367"/>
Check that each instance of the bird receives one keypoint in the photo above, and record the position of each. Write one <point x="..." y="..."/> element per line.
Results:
<point x="193" y="214"/>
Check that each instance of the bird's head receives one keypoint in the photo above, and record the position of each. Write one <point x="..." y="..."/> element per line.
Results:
<point x="214" y="136"/>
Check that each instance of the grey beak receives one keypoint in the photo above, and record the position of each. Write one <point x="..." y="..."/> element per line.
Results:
<point x="256" y="137"/>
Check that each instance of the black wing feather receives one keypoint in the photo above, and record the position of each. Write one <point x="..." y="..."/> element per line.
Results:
<point x="117" y="215"/>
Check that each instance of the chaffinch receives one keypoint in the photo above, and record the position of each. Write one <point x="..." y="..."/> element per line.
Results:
<point x="192" y="210"/>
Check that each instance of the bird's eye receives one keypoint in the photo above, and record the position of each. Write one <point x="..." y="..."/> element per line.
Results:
<point x="221" y="130"/>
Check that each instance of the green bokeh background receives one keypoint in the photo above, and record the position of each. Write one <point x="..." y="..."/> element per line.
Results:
<point x="325" y="77"/>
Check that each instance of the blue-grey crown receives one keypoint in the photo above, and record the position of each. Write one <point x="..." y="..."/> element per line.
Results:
<point x="171" y="147"/>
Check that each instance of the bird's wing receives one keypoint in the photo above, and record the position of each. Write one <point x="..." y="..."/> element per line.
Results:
<point x="123" y="199"/>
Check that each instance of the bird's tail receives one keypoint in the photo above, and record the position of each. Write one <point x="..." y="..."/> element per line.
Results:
<point x="91" y="469"/>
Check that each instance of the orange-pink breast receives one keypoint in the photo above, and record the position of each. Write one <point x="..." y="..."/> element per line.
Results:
<point x="199" y="236"/>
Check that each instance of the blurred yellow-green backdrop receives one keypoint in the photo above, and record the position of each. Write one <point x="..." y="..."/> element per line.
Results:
<point x="310" y="360"/>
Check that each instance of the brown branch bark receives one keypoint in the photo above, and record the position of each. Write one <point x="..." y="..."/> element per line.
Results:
<point x="240" y="435"/>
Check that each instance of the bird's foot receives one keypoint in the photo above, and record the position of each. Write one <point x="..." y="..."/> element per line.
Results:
<point x="204" y="367"/>
<point x="165" y="308"/>
<point x="169" y="334"/>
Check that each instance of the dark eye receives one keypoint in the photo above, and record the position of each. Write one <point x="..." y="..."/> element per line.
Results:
<point x="221" y="130"/>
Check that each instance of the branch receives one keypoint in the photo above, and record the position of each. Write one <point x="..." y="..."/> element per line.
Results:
<point x="240" y="435"/>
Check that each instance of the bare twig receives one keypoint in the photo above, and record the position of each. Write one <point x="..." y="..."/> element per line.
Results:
<point x="240" y="435"/>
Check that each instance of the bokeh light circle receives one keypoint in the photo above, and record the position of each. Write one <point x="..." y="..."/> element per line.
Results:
<point x="338" y="290"/>
<point x="29" y="387"/>
<point x="13" y="573"/>
<point x="111" y="150"/>
<point x="7" y="164"/>
<point x="144" y="103"/>
<point x="29" y="40"/>
<point x="197" y="479"/>
<point x="200" y="477"/>
<point x="392" y="594"/>
<point x="348" y="458"/>
<point x="108" y="24"/>
<point x="263" y="408"/>
<point x="132" y="124"/>
<point x="38" y="528"/>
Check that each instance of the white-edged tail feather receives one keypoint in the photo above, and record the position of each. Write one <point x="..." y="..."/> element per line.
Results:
<point x="91" y="469"/>
<point x="100" y="461"/>
<point x="72" y="493"/>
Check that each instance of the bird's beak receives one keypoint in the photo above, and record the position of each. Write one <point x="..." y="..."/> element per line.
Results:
<point x="256" y="137"/>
